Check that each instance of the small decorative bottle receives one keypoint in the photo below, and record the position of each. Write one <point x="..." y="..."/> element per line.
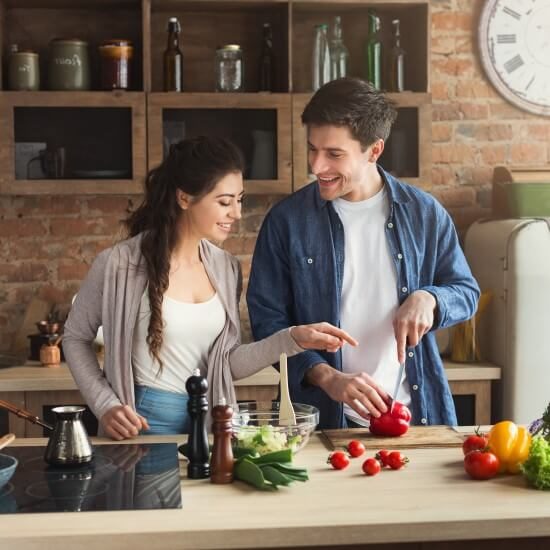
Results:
<point x="267" y="61"/>
<point x="221" y="462"/>
<point x="321" y="57"/>
<point x="338" y="52"/>
<point x="173" y="59"/>
<point x="374" y="51"/>
<point x="196" y="386"/>
<point x="397" y="61"/>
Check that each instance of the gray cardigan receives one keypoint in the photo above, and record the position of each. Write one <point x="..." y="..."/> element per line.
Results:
<point x="110" y="297"/>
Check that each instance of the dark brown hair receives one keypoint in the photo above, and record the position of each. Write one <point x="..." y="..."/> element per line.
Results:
<point x="355" y="104"/>
<point x="195" y="166"/>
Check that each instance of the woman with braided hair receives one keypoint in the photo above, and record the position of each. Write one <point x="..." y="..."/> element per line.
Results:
<point x="168" y="301"/>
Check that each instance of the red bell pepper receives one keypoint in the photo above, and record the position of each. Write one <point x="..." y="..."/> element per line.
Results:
<point x="394" y="424"/>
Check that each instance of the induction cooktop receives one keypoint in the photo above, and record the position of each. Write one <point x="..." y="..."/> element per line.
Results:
<point x="119" y="477"/>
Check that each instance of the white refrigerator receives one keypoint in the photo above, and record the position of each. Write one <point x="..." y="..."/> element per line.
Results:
<point x="511" y="258"/>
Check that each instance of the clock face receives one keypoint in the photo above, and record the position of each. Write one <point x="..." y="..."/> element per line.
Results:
<point x="514" y="40"/>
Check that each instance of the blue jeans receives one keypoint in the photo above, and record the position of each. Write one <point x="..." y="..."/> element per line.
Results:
<point x="165" y="411"/>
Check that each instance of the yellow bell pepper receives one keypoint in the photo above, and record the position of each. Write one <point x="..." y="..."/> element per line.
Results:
<point x="511" y="444"/>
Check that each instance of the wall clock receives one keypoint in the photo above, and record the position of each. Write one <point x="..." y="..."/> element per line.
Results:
<point x="514" y="42"/>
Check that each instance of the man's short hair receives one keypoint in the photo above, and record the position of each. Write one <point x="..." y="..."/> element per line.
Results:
<point x="355" y="104"/>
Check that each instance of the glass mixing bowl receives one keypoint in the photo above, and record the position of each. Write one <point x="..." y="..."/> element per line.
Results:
<point x="256" y="426"/>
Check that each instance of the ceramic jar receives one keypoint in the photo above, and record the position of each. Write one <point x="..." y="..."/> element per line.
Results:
<point x="23" y="71"/>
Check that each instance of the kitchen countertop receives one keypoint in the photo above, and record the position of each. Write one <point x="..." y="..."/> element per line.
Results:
<point x="33" y="377"/>
<point x="430" y="500"/>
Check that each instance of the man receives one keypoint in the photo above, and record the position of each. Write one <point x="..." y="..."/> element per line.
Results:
<point x="364" y="251"/>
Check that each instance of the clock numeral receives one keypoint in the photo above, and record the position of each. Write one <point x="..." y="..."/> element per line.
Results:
<point x="512" y="64"/>
<point x="530" y="82"/>
<point x="506" y="38"/>
<point x="511" y="12"/>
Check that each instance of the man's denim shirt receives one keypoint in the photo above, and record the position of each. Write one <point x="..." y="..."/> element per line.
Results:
<point x="297" y="274"/>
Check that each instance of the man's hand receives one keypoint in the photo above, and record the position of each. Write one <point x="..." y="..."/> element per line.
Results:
<point x="359" y="391"/>
<point x="122" y="422"/>
<point x="413" y="319"/>
<point x="321" y="336"/>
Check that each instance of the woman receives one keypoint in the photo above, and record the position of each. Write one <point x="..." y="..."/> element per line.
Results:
<point x="168" y="301"/>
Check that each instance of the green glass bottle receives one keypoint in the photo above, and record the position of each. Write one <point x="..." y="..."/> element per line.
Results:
<point x="374" y="51"/>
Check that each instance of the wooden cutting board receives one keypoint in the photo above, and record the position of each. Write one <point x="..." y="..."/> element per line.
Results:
<point x="416" y="438"/>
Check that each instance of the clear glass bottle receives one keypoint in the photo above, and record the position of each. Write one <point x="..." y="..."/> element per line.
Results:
<point x="229" y="68"/>
<point x="339" y="54"/>
<point x="173" y="59"/>
<point x="396" y="81"/>
<point x="321" y="57"/>
<point x="267" y="61"/>
<point x="374" y="51"/>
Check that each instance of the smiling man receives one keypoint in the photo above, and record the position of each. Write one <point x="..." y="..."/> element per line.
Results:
<point x="369" y="253"/>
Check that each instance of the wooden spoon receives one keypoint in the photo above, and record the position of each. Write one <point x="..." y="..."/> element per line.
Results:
<point x="6" y="440"/>
<point x="286" y="411"/>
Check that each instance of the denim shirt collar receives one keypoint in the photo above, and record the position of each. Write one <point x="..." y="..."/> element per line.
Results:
<point x="396" y="192"/>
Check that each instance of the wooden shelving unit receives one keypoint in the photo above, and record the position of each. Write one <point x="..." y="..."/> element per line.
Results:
<point x="205" y="25"/>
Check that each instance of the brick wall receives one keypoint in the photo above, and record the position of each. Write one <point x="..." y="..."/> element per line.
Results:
<point x="47" y="244"/>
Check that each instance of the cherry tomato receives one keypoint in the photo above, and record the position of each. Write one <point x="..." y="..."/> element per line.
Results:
<point x="371" y="466"/>
<point x="481" y="464"/>
<point x="355" y="448"/>
<point x="382" y="456"/>
<point x="474" y="442"/>
<point x="338" y="460"/>
<point x="396" y="460"/>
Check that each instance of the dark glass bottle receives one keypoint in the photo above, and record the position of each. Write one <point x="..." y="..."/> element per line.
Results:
<point x="173" y="59"/>
<point x="267" y="61"/>
<point x="374" y="51"/>
<point x="396" y="79"/>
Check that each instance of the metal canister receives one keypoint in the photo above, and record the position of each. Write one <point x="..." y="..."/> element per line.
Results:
<point x="23" y="70"/>
<point x="69" y="65"/>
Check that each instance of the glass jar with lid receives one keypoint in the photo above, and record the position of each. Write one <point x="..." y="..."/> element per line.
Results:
<point x="116" y="57"/>
<point x="229" y="68"/>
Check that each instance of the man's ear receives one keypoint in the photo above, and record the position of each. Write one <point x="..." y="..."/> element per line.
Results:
<point x="184" y="200"/>
<point x="377" y="148"/>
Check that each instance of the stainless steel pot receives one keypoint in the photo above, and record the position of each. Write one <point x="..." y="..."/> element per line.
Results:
<point x="69" y="443"/>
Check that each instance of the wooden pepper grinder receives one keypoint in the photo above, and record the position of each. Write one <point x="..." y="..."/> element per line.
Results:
<point x="221" y="463"/>
<point x="197" y="406"/>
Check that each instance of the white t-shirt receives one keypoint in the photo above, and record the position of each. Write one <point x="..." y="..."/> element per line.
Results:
<point x="189" y="332"/>
<point x="369" y="295"/>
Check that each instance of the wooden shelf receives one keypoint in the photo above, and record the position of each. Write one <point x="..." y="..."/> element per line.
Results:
<point x="279" y="104"/>
<point x="134" y="102"/>
<point x="205" y="25"/>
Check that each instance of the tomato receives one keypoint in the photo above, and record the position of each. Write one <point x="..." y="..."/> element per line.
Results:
<point x="338" y="460"/>
<point x="355" y="448"/>
<point x="382" y="456"/>
<point x="371" y="466"/>
<point x="475" y="442"/>
<point x="396" y="460"/>
<point x="481" y="464"/>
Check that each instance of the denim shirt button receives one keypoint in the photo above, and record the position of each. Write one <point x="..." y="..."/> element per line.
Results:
<point x="400" y="256"/>
<point x="310" y="260"/>
<point x="410" y="354"/>
<point x="415" y="387"/>
<point x="404" y="289"/>
<point x="423" y="421"/>
<point x="390" y="225"/>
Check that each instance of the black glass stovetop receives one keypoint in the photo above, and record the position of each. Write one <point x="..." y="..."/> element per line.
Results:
<point x="119" y="477"/>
